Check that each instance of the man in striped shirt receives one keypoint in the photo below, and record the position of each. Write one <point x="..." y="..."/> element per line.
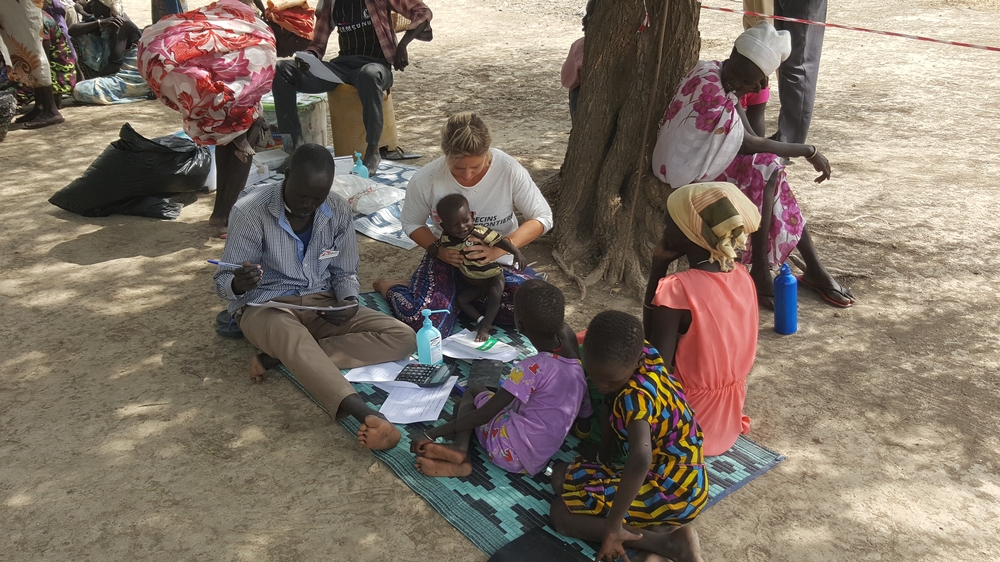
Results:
<point x="297" y="246"/>
<point x="367" y="49"/>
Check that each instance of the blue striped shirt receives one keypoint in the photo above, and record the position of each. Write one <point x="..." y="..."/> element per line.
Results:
<point x="259" y="233"/>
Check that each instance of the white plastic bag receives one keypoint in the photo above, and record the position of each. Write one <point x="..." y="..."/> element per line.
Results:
<point x="364" y="195"/>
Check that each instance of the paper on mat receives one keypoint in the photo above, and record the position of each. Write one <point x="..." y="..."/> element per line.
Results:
<point x="275" y="304"/>
<point x="411" y="405"/>
<point x="380" y="372"/>
<point x="463" y="345"/>
<point x="317" y="68"/>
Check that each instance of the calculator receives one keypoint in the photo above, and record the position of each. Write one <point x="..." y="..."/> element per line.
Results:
<point x="425" y="375"/>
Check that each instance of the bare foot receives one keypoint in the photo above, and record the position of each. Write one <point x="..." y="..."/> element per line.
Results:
<point x="219" y="226"/>
<point x="378" y="434"/>
<point x="441" y="452"/>
<point x="383" y="285"/>
<point x="260" y="365"/>
<point x="243" y="149"/>
<point x="371" y="161"/>
<point x="483" y="332"/>
<point x="431" y="467"/>
<point x="679" y="544"/>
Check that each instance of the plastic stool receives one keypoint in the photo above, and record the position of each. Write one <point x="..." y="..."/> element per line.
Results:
<point x="347" y="129"/>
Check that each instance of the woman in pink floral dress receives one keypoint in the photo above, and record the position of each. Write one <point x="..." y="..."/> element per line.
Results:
<point x="213" y="65"/>
<point x="705" y="137"/>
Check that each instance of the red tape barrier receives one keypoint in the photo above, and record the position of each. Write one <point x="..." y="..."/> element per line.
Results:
<point x="851" y="28"/>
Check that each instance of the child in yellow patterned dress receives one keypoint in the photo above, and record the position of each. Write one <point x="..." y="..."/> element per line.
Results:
<point x="663" y="484"/>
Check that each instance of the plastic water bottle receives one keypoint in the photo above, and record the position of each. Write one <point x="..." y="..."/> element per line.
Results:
<point x="429" y="341"/>
<point x="359" y="168"/>
<point x="786" y="302"/>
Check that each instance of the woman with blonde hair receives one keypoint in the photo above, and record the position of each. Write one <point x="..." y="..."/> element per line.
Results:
<point x="495" y="185"/>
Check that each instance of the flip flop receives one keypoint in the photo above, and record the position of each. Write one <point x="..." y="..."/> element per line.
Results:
<point x="825" y="292"/>
<point x="397" y="154"/>
<point x="38" y="124"/>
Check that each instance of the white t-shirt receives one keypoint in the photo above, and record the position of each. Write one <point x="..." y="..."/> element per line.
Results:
<point x="505" y="187"/>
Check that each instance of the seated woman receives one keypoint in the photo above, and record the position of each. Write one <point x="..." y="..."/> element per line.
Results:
<point x="213" y="65"/>
<point x="705" y="136"/>
<point x="495" y="186"/>
<point x="704" y="320"/>
<point x="106" y="43"/>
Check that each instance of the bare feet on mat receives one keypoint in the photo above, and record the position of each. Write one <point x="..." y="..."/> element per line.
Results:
<point x="371" y="160"/>
<point x="483" y="332"/>
<point x="431" y="467"/>
<point x="383" y="285"/>
<point x="440" y="452"/>
<point x="679" y="544"/>
<point x="377" y="434"/>
<point x="260" y="365"/>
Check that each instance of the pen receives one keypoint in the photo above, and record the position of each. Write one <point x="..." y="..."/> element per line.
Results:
<point x="224" y="264"/>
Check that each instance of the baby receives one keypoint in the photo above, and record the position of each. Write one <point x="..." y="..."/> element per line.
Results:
<point x="483" y="280"/>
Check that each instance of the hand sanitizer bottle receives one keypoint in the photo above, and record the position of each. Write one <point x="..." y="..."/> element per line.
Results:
<point x="429" y="341"/>
<point x="786" y="302"/>
<point x="359" y="168"/>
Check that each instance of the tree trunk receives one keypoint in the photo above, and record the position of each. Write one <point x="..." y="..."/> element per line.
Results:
<point x="609" y="206"/>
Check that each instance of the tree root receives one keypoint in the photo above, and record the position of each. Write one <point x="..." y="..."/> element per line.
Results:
<point x="568" y="271"/>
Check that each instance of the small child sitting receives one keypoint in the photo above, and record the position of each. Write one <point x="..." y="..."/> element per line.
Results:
<point x="483" y="280"/>
<point x="663" y="483"/>
<point x="526" y="420"/>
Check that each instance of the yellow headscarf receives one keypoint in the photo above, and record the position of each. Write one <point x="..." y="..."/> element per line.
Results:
<point x="715" y="216"/>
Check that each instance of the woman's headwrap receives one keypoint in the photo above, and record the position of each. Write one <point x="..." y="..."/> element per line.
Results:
<point x="765" y="46"/>
<point x="115" y="6"/>
<point x="715" y="216"/>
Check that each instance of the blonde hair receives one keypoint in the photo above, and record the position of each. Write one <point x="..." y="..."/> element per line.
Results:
<point x="465" y="134"/>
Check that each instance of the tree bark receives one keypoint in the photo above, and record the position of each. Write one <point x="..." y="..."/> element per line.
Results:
<point x="609" y="206"/>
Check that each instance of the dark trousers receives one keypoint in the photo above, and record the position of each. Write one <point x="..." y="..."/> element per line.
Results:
<point x="797" y="75"/>
<point x="371" y="76"/>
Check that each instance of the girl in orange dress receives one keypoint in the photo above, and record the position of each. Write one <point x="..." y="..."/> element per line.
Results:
<point x="705" y="319"/>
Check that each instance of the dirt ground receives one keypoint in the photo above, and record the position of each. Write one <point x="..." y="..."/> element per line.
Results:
<point x="128" y="429"/>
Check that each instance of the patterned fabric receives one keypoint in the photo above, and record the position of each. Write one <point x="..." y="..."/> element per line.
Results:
<point x="8" y="108"/>
<point x="124" y="86"/>
<point x="699" y="141"/>
<point x="479" y="235"/>
<point x="414" y="10"/>
<point x="62" y="63"/>
<point x="260" y="233"/>
<point x="715" y="216"/>
<point x="21" y="26"/>
<point x="292" y="15"/>
<point x="494" y="436"/>
<point x="435" y="284"/>
<point x="213" y="65"/>
<point x="676" y="487"/>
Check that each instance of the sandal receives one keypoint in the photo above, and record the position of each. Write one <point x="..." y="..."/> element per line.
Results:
<point x="825" y="292"/>
<point x="397" y="154"/>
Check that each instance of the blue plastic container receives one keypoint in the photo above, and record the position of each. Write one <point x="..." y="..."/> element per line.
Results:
<point x="429" y="341"/>
<point x="786" y="302"/>
<point x="359" y="168"/>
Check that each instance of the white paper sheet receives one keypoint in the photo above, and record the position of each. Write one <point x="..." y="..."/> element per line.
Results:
<point x="380" y="372"/>
<point x="463" y="345"/>
<point x="275" y="304"/>
<point x="411" y="405"/>
<point x="317" y="68"/>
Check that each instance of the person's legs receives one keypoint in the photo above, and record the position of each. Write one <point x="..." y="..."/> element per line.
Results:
<point x="369" y="337"/>
<point x="282" y="334"/>
<point x="289" y="79"/>
<point x="512" y="279"/>
<point x="798" y="74"/>
<point x="20" y="29"/>
<point x="432" y="286"/>
<point x="438" y="459"/>
<point x="371" y="82"/>
<point x="494" y="293"/>
<point x="817" y="276"/>
<point x="463" y="300"/>
<point x="231" y="174"/>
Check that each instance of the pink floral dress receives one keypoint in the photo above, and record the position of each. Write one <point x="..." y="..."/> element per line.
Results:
<point x="213" y="65"/>
<point x="699" y="141"/>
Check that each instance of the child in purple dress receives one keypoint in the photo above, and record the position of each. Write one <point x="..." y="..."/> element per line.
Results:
<point x="526" y="420"/>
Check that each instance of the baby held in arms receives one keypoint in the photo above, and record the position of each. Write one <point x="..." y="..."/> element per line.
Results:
<point x="483" y="280"/>
<point x="526" y="420"/>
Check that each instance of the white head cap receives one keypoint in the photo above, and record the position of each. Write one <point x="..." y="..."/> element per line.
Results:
<point x="765" y="46"/>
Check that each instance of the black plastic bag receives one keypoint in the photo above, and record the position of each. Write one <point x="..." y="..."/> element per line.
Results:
<point x="133" y="168"/>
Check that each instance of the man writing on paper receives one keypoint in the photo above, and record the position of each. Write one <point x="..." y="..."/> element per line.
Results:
<point x="296" y="243"/>
<point x="367" y="49"/>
